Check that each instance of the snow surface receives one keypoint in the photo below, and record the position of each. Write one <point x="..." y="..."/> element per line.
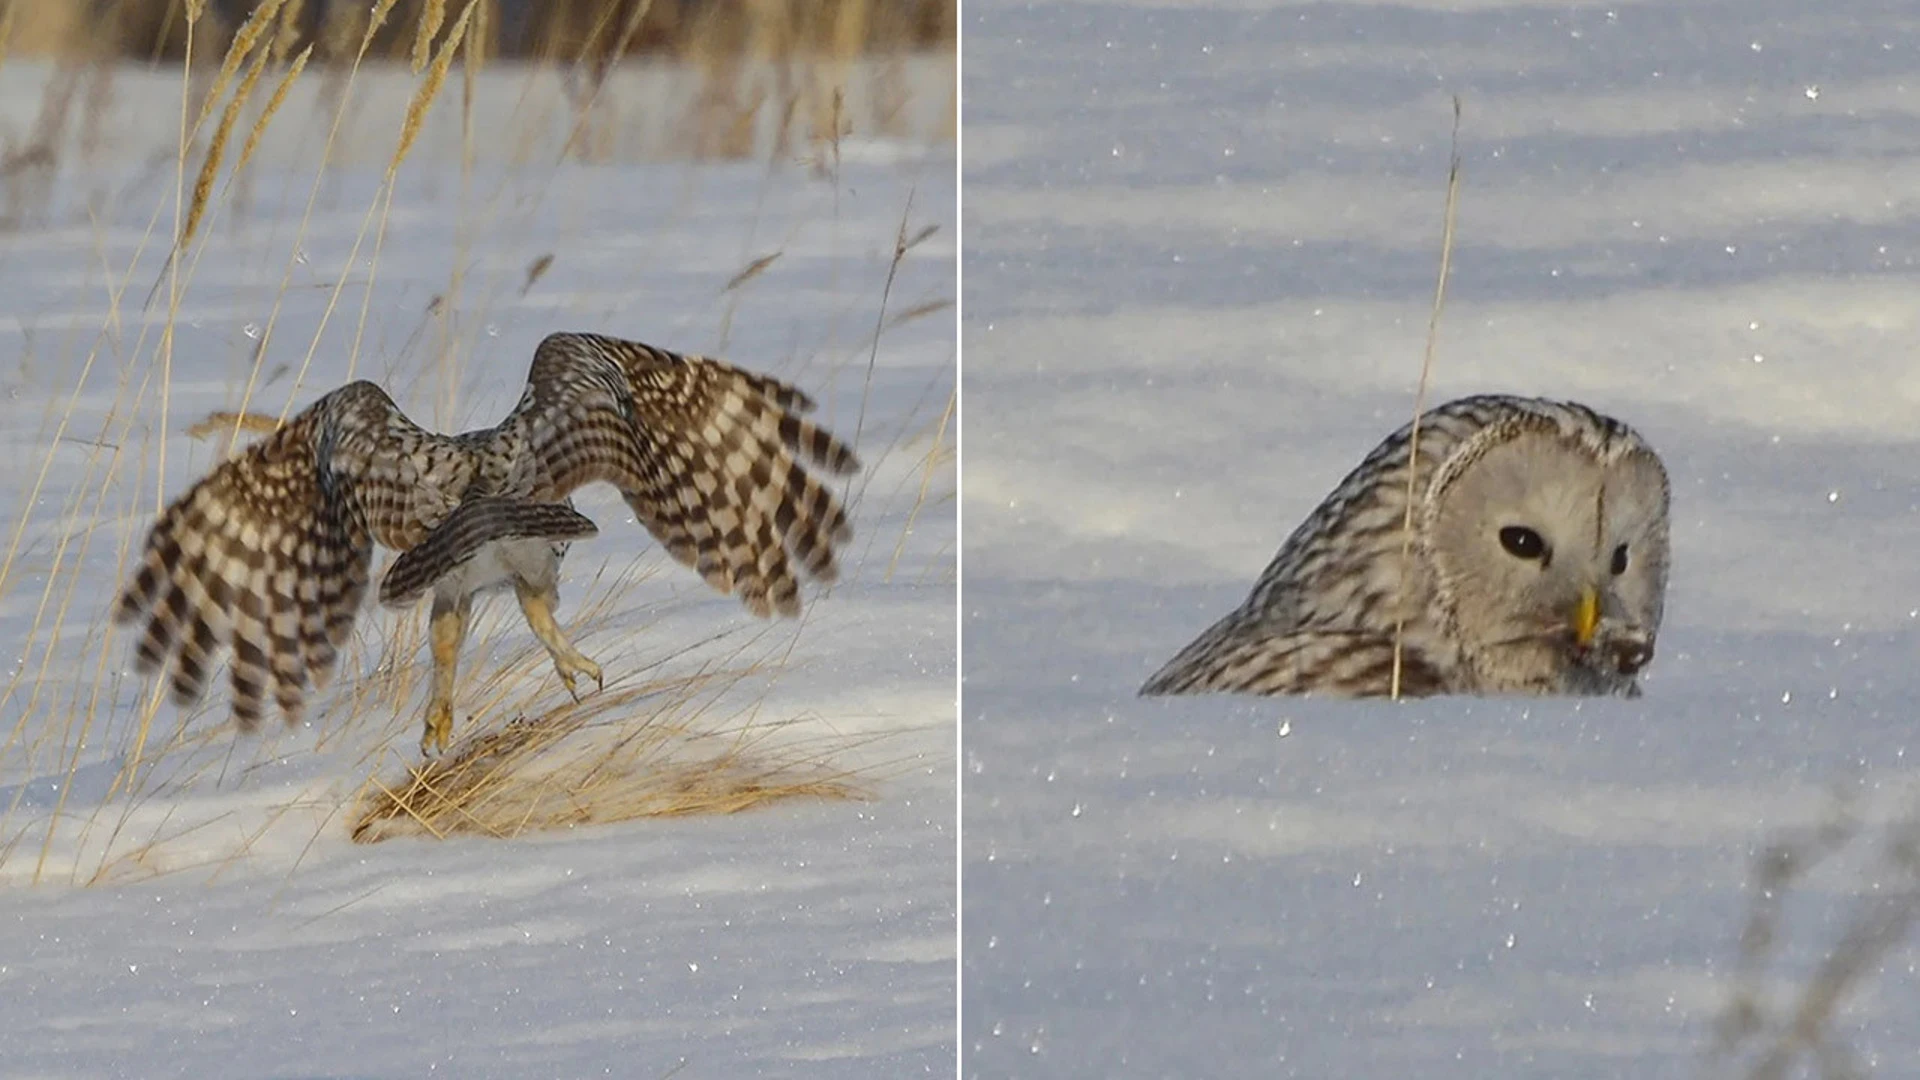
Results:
<point x="231" y="928"/>
<point x="1200" y="248"/>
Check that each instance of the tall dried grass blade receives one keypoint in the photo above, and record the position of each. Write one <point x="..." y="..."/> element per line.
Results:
<point x="288" y="33"/>
<point x="536" y="270"/>
<point x="432" y="14"/>
<point x="926" y="479"/>
<point x="753" y="270"/>
<point x="430" y="88"/>
<point x="244" y="39"/>
<point x="216" y="149"/>
<point x="376" y="19"/>
<point x="252" y="423"/>
<point x="273" y="106"/>
<point x="6" y="29"/>
<point x="1420" y="406"/>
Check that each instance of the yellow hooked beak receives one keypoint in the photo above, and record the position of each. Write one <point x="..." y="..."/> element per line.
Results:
<point x="1586" y="616"/>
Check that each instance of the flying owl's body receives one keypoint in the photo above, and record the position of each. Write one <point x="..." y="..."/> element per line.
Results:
<point x="270" y="553"/>
<point x="1536" y="564"/>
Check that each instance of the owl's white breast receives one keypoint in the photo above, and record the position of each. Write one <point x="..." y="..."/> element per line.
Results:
<point x="497" y="564"/>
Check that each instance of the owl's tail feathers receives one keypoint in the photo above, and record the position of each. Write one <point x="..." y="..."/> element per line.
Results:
<point x="473" y="525"/>
<point x="734" y="497"/>
<point x="259" y="556"/>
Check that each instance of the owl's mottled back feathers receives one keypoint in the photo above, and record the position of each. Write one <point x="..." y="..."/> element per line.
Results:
<point x="270" y="553"/>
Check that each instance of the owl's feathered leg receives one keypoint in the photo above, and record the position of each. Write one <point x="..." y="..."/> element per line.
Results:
<point x="448" y="628"/>
<point x="536" y="603"/>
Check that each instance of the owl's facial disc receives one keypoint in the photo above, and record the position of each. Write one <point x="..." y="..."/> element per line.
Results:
<point x="1540" y="545"/>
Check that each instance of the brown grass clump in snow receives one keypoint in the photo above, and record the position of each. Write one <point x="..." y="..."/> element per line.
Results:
<point x="592" y="762"/>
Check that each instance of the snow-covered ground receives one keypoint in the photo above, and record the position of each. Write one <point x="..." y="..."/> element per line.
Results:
<point x="218" y="921"/>
<point x="1199" y="259"/>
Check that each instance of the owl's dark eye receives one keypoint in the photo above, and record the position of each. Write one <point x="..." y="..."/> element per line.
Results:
<point x="1522" y="542"/>
<point x="1619" y="560"/>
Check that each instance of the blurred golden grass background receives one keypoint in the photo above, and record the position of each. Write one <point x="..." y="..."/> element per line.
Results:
<point x="596" y="31"/>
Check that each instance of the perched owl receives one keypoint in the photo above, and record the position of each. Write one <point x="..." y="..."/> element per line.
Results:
<point x="270" y="553"/>
<point x="1538" y="565"/>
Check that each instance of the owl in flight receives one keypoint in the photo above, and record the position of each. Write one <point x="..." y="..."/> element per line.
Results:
<point x="1538" y="565"/>
<point x="269" y="554"/>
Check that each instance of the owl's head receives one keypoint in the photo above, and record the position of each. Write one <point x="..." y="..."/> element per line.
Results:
<point x="1547" y="540"/>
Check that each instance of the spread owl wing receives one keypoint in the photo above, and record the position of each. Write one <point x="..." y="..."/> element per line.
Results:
<point x="269" y="553"/>
<point x="712" y="459"/>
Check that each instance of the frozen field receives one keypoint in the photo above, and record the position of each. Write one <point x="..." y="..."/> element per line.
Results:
<point x="1199" y="260"/>
<point x="218" y="921"/>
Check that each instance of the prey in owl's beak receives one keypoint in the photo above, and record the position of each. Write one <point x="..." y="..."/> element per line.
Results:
<point x="1625" y="649"/>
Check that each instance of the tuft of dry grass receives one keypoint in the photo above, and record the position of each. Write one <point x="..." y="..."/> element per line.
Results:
<point x="599" y="761"/>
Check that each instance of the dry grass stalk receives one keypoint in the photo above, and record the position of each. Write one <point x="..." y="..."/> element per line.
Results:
<point x="288" y="33"/>
<point x="48" y="27"/>
<point x="536" y="270"/>
<point x="49" y="617"/>
<point x="432" y="14"/>
<point x="1420" y="403"/>
<point x="900" y="248"/>
<point x="919" y="311"/>
<point x="252" y="423"/>
<point x="338" y="30"/>
<point x="376" y="19"/>
<point x="241" y="47"/>
<point x="429" y="89"/>
<point x="597" y="69"/>
<point x="6" y="28"/>
<point x="217" y="147"/>
<point x="148" y="30"/>
<point x="171" y="277"/>
<point x="524" y="777"/>
<point x="753" y="270"/>
<point x="273" y="106"/>
<point x="937" y="455"/>
<point x="417" y="108"/>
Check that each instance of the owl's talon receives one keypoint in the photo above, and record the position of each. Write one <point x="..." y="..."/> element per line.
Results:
<point x="439" y="729"/>
<point x="571" y="668"/>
